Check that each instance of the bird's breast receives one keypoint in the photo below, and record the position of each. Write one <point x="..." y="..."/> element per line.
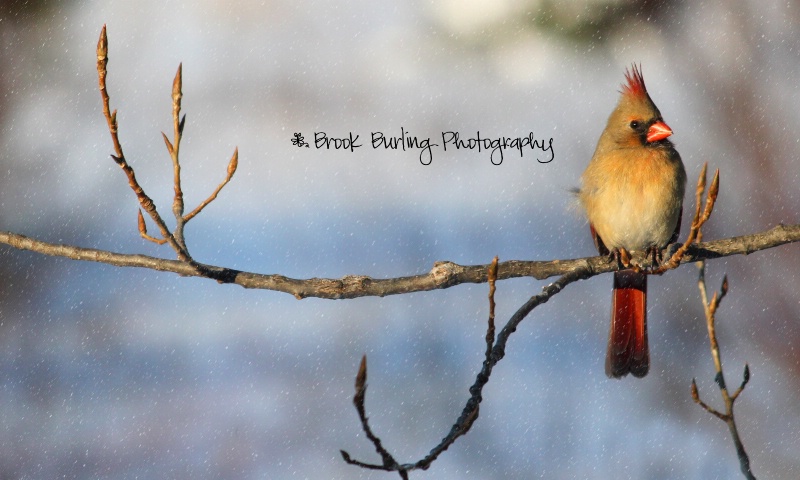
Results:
<point x="634" y="201"/>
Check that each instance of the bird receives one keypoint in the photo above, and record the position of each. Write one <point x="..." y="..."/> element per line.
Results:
<point x="632" y="193"/>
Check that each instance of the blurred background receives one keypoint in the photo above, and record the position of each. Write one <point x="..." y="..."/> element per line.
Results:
<point x="126" y="373"/>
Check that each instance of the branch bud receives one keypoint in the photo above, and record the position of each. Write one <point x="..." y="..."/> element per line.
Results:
<point x="695" y="393"/>
<point x="234" y="163"/>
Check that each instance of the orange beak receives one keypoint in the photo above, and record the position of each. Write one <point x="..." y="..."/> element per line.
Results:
<point x="658" y="131"/>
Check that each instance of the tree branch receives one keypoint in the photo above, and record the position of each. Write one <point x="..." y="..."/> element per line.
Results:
<point x="113" y="127"/>
<point x="442" y="275"/>
<point x="495" y="351"/>
<point x="710" y="308"/>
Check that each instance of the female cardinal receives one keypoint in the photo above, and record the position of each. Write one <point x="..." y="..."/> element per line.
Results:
<point x="632" y="191"/>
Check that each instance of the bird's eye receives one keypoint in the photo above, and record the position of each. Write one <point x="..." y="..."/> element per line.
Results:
<point x="635" y="124"/>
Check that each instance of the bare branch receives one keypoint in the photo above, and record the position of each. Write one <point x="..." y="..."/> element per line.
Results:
<point x="175" y="238"/>
<point x="389" y="463"/>
<point x="493" y="355"/>
<point x="442" y="275"/>
<point x="490" y="328"/>
<point x="710" y="308"/>
<point x="145" y="201"/>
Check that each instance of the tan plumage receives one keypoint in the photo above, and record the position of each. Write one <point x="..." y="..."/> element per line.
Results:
<point x="632" y="192"/>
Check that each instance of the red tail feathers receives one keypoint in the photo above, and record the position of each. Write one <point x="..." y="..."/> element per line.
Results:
<point x="627" y="342"/>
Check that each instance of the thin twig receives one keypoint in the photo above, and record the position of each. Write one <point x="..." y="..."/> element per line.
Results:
<point x="143" y="231"/>
<point x="470" y="411"/>
<point x="697" y="222"/>
<point x="232" y="165"/>
<point x="710" y="308"/>
<point x="490" y="328"/>
<point x="174" y="153"/>
<point x="389" y="463"/>
<point x="176" y="238"/>
<point x="145" y="201"/>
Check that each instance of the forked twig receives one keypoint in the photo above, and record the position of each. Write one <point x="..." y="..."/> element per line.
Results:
<point x="710" y="309"/>
<point x="494" y="353"/>
<point x="145" y="201"/>
<point x="389" y="463"/>
<point x="175" y="238"/>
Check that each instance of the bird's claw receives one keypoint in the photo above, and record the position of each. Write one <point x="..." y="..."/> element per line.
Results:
<point x="654" y="253"/>
<point x="621" y="257"/>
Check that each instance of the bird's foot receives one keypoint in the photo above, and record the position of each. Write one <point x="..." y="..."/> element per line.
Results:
<point x="621" y="257"/>
<point x="654" y="253"/>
